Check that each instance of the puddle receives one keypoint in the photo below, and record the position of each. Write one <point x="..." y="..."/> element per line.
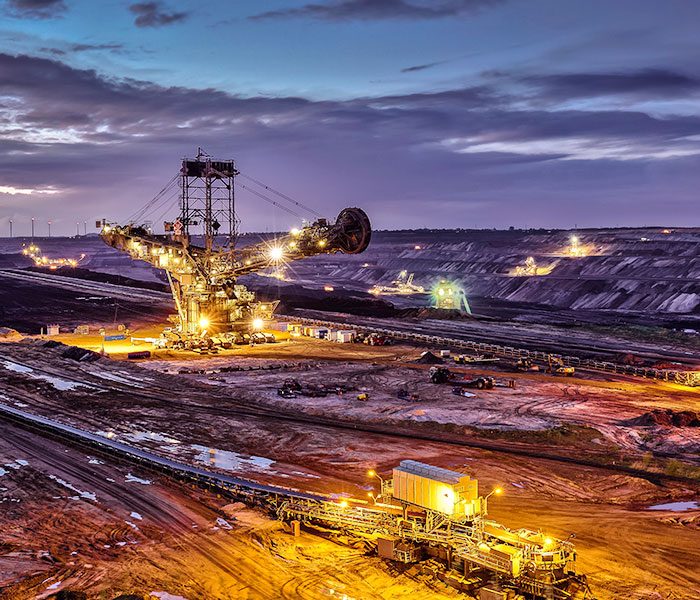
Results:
<point x="676" y="506"/>
<point x="60" y="384"/>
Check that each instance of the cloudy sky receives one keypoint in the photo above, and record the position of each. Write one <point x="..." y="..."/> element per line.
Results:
<point x="427" y="113"/>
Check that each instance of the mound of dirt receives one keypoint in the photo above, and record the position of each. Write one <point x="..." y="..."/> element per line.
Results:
<point x="428" y="358"/>
<point x="7" y="334"/>
<point x="80" y="354"/>
<point x="668" y="418"/>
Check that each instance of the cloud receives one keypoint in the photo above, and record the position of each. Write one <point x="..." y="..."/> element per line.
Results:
<point x="347" y="10"/>
<point x="405" y="155"/>
<point x="154" y="14"/>
<point x="73" y="48"/>
<point x="660" y="83"/>
<point x="36" y="9"/>
<point x="422" y="67"/>
<point x="13" y="191"/>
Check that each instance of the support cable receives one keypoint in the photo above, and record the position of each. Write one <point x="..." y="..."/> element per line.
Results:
<point x="139" y="214"/>
<point x="281" y="195"/>
<point x="270" y="200"/>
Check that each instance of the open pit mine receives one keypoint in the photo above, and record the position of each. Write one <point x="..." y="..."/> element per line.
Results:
<point x="499" y="415"/>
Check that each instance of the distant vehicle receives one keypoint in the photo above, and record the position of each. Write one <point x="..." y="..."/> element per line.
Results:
<point x="565" y="371"/>
<point x="375" y="339"/>
<point x="480" y="383"/>
<point x="525" y="364"/>
<point x="241" y="338"/>
<point x="289" y="389"/>
<point x="556" y="366"/>
<point x="462" y="359"/>
<point x="292" y="384"/>
<point x="439" y="375"/>
<point x="258" y="338"/>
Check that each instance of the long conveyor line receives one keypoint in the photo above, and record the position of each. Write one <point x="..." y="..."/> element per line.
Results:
<point x="528" y="564"/>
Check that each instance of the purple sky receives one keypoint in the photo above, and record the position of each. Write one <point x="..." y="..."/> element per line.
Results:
<point x="441" y="113"/>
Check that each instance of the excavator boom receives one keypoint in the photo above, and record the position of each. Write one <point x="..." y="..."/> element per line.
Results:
<point x="203" y="281"/>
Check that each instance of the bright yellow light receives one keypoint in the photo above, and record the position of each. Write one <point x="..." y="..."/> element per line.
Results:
<point x="258" y="324"/>
<point x="548" y="541"/>
<point x="498" y="491"/>
<point x="203" y="322"/>
<point x="343" y="504"/>
<point x="295" y="231"/>
<point x="276" y="253"/>
<point x="321" y="243"/>
<point x="106" y="229"/>
<point x="371" y="473"/>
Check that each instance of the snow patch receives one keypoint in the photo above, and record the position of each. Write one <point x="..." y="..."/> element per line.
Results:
<point x="229" y="460"/>
<point x="81" y="494"/>
<point x="129" y="478"/>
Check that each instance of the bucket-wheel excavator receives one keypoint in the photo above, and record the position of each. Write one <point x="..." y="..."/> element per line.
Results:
<point x="203" y="277"/>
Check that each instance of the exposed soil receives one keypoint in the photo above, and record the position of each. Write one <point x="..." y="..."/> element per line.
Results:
<point x="72" y="521"/>
<point x="198" y="421"/>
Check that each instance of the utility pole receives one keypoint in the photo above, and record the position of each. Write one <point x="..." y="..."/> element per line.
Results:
<point x="77" y="229"/>
<point x="10" y="227"/>
<point x="84" y="227"/>
<point x="49" y="228"/>
<point x="32" y="229"/>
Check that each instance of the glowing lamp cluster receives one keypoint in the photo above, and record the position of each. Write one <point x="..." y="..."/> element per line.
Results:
<point x="276" y="253"/>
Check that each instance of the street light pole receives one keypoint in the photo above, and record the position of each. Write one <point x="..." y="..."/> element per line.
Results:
<point x="373" y="473"/>
<point x="497" y="491"/>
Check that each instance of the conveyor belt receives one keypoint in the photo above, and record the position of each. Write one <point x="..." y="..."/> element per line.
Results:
<point x="154" y="461"/>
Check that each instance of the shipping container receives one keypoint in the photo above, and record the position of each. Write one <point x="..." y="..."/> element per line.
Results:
<point x="448" y="492"/>
<point x="345" y="336"/>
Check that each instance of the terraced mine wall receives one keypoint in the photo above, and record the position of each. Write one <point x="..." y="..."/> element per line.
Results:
<point x="642" y="272"/>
